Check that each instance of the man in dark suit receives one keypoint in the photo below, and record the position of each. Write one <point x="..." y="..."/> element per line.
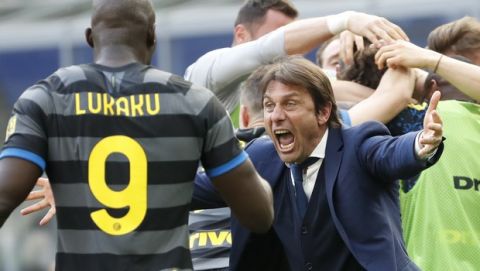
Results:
<point x="342" y="213"/>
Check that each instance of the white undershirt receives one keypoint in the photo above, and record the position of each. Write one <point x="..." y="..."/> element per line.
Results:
<point x="310" y="174"/>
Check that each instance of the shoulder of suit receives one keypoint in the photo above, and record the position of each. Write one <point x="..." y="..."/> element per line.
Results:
<point x="260" y="147"/>
<point x="259" y="142"/>
<point x="366" y="129"/>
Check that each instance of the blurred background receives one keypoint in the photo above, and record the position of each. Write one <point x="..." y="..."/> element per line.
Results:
<point x="39" y="36"/>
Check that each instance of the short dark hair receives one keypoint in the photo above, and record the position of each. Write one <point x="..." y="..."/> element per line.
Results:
<point x="298" y="71"/>
<point x="253" y="11"/>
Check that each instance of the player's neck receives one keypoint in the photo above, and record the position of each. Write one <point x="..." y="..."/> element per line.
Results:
<point x="117" y="56"/>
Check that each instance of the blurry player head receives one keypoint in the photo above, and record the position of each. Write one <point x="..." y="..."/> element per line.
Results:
<point x="251" y="99"/>
<point x="460" y="37"/>
<point x="128" y="25"/>
<point x="259" y="17"/>
<point x="328" y="55"/>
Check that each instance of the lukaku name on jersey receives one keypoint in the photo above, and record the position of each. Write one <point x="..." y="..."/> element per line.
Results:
<point x="105" y="104"/>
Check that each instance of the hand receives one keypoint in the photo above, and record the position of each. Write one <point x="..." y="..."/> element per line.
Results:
<point x="47" y="200"/>
<point x="406" y="54"/>
<point x="347" y="39"/>
<point x="431" y="136"/>
<point x="374" y="28"/>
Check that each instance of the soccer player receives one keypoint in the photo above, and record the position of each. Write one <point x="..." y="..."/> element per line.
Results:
<point x="121" y="142"/>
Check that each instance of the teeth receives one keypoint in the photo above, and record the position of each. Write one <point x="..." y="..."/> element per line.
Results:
<point x="281" y="132"/>
<point x="288" y="146"/>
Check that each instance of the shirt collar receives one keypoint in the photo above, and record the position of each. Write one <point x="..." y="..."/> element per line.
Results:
<point x="319" y="150"/>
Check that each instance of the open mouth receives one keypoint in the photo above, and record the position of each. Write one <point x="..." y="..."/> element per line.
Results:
<point x="285" y="140"/>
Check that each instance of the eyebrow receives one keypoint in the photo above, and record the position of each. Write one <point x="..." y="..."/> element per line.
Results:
<point x="284" y="96"/>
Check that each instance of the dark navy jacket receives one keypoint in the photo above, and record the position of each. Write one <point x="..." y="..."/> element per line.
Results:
<point x="361" y="168"/>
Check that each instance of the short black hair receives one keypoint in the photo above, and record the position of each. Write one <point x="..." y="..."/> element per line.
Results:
<point x="253" y="11"/>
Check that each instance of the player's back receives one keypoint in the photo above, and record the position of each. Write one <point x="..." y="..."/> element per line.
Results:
<point x="123" y="146"/>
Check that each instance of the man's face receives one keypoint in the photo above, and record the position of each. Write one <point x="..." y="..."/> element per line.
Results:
<point x="273" y="20"/>
<point x="291" y="121"/>
<point x="331" y="55"/>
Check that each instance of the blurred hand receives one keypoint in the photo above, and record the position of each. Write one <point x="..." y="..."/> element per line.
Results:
<point x="431" y="136"/>
<point x="47" y="200"/>
<point x="406" y="54"/>
<point x="374" y="28"/>
<point x="347" y="41"/>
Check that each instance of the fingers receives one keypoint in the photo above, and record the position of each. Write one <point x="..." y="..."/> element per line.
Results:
<point x="346" y="47"/>
<point x="437" y="128"/>
<point x="42" y="181"/>
<point x="388" y="31"/>
<point x="359" y="42"/>
<point x="392" y="62"/>
<point x="382" y="56"/>
<point x="433" y="126"/>
<point x="38" y="194"/>
<point x="35" y="207"/>
<point x="436" y="118"/>
<point x="434" y="102"/>
<point x="434" y="139"/>
<point x="425" y="151"/>
<point x="372" y="37"/>
<point x="430" y="141"/>
<point x="48" y="217"/>
<point x="383" y="32"/>
<point x="394" y="31"/>
<point x="429" y="146"/>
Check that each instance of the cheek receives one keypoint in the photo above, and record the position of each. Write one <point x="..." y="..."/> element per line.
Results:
<point x="266" y="118"/>
<point x="267" y="122"/>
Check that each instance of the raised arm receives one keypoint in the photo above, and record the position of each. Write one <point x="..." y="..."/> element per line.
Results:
<point x="392" y="96"/>
<point x="217" y="69"/>
<point x="248" y="195"/>
<point x="17" y="178"/>
<point x="304" y="35"/>
<point x="462" y="75"/>
<point x="350" y="92"/>
<point x="392" y="158"/>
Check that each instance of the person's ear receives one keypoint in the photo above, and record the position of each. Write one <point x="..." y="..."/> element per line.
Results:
<point x="241" y="34"/>
<point x="151" y="36"/>
<point x="433" y="87"/>
<point x="244" y="117"/>
<point x="324" y="114"/>
<point x="88" y="37"/>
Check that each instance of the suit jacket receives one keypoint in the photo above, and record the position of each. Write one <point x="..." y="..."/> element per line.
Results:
<point x="362" y="165"/>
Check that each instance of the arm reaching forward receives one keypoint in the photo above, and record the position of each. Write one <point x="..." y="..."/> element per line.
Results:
<point x="248" y="195"/>
<point x="462" y="75"/>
